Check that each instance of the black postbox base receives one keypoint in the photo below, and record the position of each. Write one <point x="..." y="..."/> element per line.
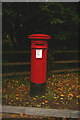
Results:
<point x="37" y="89"/>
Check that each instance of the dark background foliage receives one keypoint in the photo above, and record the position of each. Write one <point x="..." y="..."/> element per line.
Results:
<point x="58" y="19"/>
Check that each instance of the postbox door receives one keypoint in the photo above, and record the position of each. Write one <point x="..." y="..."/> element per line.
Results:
<point x="38" y="65"/>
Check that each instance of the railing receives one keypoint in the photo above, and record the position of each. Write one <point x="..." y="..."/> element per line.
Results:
<point x="28" y="63"/>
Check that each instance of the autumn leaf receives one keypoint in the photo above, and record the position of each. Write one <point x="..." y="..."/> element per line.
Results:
<point x="34" y="98"/>
<point x="77" y="102"/>
<point x="25" y="78"/>
<point x="62" y="95"/>
<point x="43" y="96"/>
<point x="13" y="115"/>
<point x="9" y="103"/>
<point x="61" y="98"/>
<point x="46" y="101"/>
<point x="25" y="115"/>
<point x="57" y="103"/>
<point x="16" y="81"/>
<point x="17" y="94"/>
<point x="6" y="96"/>
<point x="78" y="96"/>
<point x="21" y="114"/>
<point x="17" y="98"/>
<point x="38" y="105"/>
<point x="55" y="97"/>
<point x="3" y="114"/>
<point x="43" y="103"/>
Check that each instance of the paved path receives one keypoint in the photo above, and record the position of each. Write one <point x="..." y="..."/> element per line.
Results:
<point x="42" y="111"/>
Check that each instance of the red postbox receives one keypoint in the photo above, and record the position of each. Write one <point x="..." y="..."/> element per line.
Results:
<point x="38" y="62"/>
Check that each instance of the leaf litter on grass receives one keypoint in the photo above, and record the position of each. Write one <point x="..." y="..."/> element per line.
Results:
<point x="61" y="92"/>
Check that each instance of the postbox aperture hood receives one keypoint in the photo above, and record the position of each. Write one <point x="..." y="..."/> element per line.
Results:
<point x="39" y="36"/>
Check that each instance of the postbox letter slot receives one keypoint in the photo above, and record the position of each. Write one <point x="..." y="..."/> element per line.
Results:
<point x="39" y="44"/>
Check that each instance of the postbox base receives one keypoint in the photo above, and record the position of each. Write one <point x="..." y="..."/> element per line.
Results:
<point x="37" y="89"/>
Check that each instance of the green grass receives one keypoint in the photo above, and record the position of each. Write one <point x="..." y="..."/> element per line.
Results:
<point x="61" y="91"/>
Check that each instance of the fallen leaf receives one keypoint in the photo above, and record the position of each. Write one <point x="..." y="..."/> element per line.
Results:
<point x="62" y="95"/>
<point x="13" y="115"/>
<point x="25" y="115"/>
<point x="46" y="101"/>
<point x="17" y="98"/>
<point x="43" y="103"/>
<point x="34" y="98"/>
<point x="21" y="114"/>
<point x="9" y="103"/>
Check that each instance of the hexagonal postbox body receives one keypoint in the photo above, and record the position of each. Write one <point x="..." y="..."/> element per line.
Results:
<point x="38" y="61"/>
